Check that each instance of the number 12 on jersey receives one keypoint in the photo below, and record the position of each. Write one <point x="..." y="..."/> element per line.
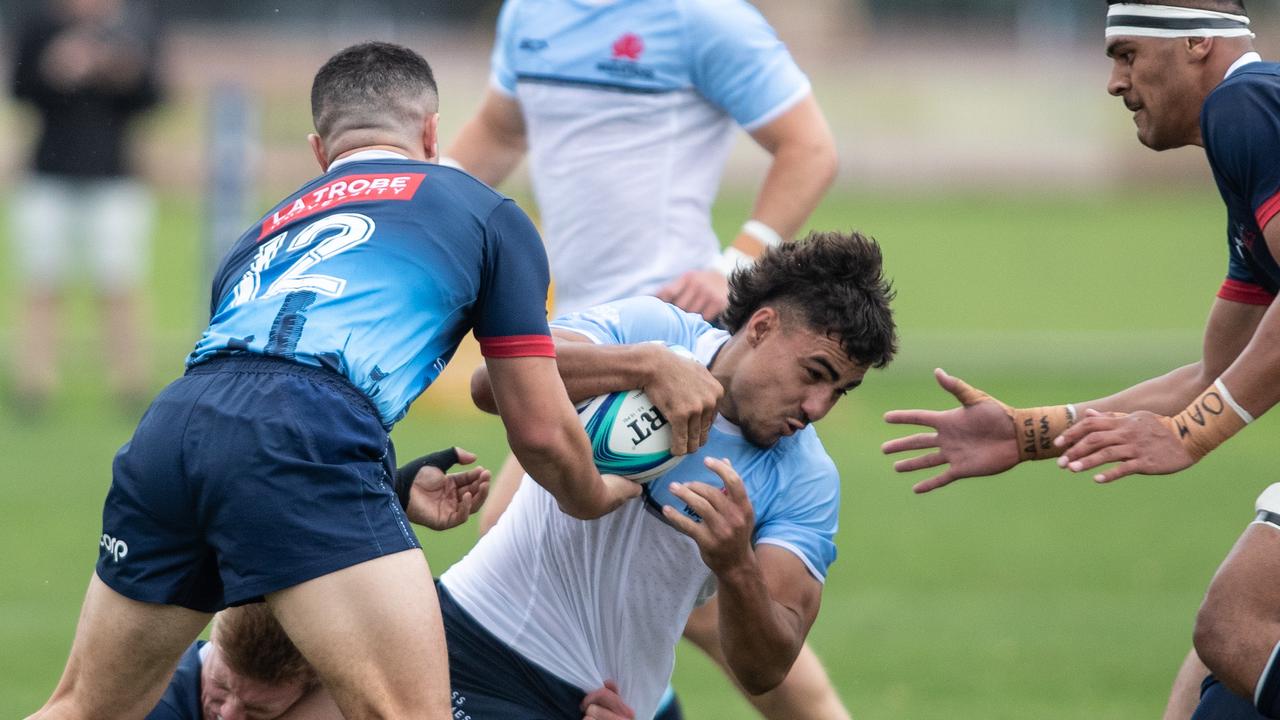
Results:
<point x="343" y="231"/>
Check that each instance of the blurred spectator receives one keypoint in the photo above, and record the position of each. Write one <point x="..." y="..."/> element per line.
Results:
<point x="87" y="67"/>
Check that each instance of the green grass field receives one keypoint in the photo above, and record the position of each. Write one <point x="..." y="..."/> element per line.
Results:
<point x="1032" y="595"/>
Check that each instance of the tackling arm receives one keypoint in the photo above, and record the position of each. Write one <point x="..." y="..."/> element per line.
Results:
<point x="545" y="435"/>
<point x="979" y="439"/>
<point x="1158" y="444"/>
<point x="492" y="142"/>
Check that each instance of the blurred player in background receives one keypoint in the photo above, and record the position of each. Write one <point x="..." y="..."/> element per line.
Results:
<point x="547" y="606"/>
<point x="1188" y="72"/>
<point x="627" y="111"/>
<point x="88" y="68"/>
<point x="266" y="472"/>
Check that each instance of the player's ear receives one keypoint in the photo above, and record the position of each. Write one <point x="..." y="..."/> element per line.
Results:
<point x="1198" y="48"/>
<point x="317" y="149"/>
<point x="763" y="322"/>
<point x="431" y="137"/>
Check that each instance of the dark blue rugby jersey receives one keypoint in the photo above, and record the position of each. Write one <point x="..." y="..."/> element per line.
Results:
<point x="181" y="700"/>
<point x="1240" y="123"/>
<point x="376" y="270"/>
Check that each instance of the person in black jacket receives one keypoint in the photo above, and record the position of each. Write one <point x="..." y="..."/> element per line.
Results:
<point x="87" y="68"/>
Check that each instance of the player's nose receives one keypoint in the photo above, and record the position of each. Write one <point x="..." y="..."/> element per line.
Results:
<point x="816" y="406"/>
<point x="1118" y="84"/>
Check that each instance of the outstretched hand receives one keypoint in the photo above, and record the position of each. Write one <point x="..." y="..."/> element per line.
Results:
<point x="441" y="501"/>
<point x="1143" y="443"/>
<point x="976" y="439"/>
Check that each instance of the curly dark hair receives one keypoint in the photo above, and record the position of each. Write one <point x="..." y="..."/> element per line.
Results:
<point x="834" y="281"/>
<point x="253" y="644"/>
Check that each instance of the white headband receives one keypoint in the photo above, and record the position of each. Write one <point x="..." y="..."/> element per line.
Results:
<point x="1166" y="21"/>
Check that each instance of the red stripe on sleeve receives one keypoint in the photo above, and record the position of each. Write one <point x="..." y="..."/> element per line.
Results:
<point x="1243" y="292"/>
<point x="1267" y="210"/>
<point x="514" y="346"/>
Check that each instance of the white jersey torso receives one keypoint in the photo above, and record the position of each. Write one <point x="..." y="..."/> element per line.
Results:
<point x="630" y="108"/>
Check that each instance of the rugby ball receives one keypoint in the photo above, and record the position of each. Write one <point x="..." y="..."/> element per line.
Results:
<point x="629" y="435"/>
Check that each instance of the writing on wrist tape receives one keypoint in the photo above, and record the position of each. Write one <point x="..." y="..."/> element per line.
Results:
<point x="1037" y="427"/>
<point x="1209" y="420"/>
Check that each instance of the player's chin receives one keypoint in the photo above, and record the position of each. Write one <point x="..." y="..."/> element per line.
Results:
<point x="762" y="437"/>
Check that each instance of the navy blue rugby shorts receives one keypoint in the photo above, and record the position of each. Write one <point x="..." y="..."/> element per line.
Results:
<point x="246" y="476"/>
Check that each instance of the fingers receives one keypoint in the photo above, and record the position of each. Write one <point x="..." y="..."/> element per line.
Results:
<point x="468" y="477"/>
<point x="680" y="438"/>
<point x="1117" y="472"/>
<point x="668" y="292"/>
<point x="919" y="441"/>
<point x="920" y="463"/>
<point x="963" y="391"/>
<point x="1094" y="422"/>
<point x="934" y="483"/>
<point x="681" y="522"/>
<point x="700" y="497"/>
<point x="913" y="417"/>
<point x="465" y="457"/>
<point x="1106" y="453"/>
<point x="707" y="420"/>
<point x="733" y="487"/>
<point x="479" y="494"/>
<point x="606" y="704"/>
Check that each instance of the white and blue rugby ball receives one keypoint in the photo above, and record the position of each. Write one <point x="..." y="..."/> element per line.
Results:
<point x="629" y="435"/>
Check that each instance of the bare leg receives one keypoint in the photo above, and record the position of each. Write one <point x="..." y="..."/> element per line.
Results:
<point x="501" y="490"/>
<point x="125" y="344"/>
<point x="36" y="361"/>
<point x="122" y="658"/>
<point x="805" y="694"/>
<point x="374" y="635"/>
<point x="1239" y="622"/>
<point x="1185" y="695"/>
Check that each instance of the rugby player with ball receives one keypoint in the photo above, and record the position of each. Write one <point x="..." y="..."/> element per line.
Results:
<point x="547" y="608"/>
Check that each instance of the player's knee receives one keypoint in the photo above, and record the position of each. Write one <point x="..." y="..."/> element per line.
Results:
<point x="1216" y="623"/>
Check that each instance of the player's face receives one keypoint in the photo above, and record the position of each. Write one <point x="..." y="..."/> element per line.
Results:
<point x="226" y="695"/>
<point x="790" y="376"/>
<point x="1157" y="84"/>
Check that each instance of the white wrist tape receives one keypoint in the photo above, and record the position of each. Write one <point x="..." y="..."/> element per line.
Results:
<point x="1231" y="402"/>
<point x="730" y="260"/>
<point x="765" y="234"/>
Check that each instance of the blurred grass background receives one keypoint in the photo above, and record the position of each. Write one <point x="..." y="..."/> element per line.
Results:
<point x="1036" y="594"/>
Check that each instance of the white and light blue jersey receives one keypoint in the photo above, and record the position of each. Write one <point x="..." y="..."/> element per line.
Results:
<point x="629" y="108"/>
<point x="605" y="599"/>
<point x="376" y="270"/>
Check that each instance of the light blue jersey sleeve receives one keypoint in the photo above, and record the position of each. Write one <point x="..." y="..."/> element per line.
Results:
<point x="502" y="72"/>
<point x="636" y="320"/>
<point x="803" y="517"/>
<point x="738" y="62"/>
